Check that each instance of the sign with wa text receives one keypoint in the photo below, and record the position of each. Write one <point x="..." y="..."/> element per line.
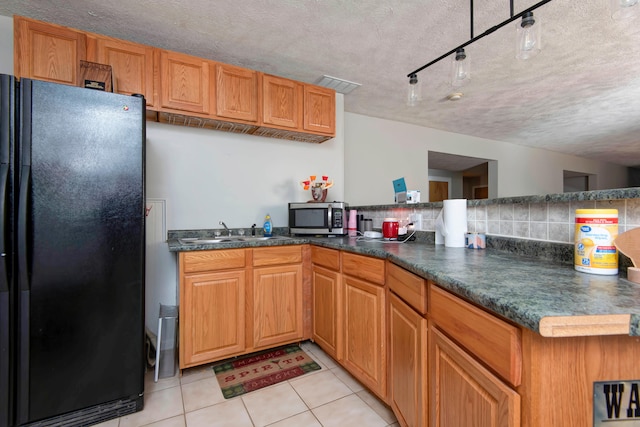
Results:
<point x="616" y="403"/>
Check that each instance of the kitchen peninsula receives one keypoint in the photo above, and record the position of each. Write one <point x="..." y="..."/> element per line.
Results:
<point x="524" y="340"/>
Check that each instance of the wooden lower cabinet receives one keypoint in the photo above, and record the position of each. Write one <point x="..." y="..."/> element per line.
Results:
<point x="558" y="380"/>
<point x="463" y="392"/>
<point x="277" y="305"/>
<point x="326" y="314"/>
<point x="365" y="336"/>
<point x="212" y="316"/>
<point x="435" y="358"/>
<point x="408" y="374"/>
<point x="237" y="301"/>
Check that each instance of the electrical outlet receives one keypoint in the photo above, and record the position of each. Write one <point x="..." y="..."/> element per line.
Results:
<point x="416" y="219"/>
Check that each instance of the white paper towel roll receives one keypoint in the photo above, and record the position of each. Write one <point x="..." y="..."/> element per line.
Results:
<point x="455" y="222"/>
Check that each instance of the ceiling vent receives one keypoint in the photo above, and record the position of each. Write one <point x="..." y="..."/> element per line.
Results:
<point x="339" y="85"/>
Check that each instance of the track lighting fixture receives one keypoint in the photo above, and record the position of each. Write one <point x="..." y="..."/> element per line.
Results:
<point x="528" y="40"/>
<point x="528" y="45"/>
<point x="414" y="94"/>
<point x="460" y="68"/>
<point x="622" y="9"/>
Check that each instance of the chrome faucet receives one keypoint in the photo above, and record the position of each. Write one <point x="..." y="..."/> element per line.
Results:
<point x="225" y="227"/>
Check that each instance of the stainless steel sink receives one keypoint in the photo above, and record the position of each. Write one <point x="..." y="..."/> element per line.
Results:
<point x="226" y="239"/>
<point x="257" y="238"/>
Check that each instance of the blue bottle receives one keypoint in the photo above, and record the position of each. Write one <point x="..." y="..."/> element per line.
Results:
<point x="268" y="227"/>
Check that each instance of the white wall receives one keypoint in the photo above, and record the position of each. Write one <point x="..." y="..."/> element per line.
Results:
<point x="378" y="151"/>
<point x="209" y="176"/>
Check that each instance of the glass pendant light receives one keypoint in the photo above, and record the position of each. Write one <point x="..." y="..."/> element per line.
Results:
<point x="622" y="9"/>
<point x="460" y="69"/>
<point x="528" y="40"/>
<point x="414" y="94"/>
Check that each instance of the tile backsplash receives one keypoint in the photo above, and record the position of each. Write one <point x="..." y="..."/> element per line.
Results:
<point x="552" y="221"/>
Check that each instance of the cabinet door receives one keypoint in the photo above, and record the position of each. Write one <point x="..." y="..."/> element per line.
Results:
<point x="277" y="305"/>
<point x="236" y="93"/>
<point x="212" y="317"/>
<point x="463" y="392"/>
<point x="185" y="83"/>
<point x="282" y="104"/>
<point x="319" y="109"/>
<point x="364" y="341"/>
<point x="131" y="65"/>
<point x="408" y="364"/>
<point x="48" y="52"/>
<point x="326" y="303"/>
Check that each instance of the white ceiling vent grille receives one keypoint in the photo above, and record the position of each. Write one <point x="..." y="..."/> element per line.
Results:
<point x="339" y="85"/>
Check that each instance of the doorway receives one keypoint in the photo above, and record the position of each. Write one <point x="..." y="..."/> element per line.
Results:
<point x="458" y="177"/>
<point x="577" y="181"/>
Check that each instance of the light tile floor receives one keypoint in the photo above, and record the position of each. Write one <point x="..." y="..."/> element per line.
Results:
<point x="325" y="398"/>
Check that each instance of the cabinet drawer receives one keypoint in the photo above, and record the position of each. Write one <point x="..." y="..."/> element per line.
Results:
<point x="329" y="258"/>
<point x="364" y="267"/>
<point x="277" y="255"/>
<point x="493" y="341"/>
<point x="411" y="288"/>
<point x="193" y="262"/>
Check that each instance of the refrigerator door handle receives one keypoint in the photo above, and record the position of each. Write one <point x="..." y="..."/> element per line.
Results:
<point x="5" y="304"/>
<point x="23" y="211"/>
<point x="4" y="274"/>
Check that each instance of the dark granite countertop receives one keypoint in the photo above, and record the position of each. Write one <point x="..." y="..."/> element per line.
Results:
<point x="526" y="290"/>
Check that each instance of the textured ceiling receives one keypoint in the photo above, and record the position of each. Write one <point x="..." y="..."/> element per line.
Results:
<point x="580" y="95"/>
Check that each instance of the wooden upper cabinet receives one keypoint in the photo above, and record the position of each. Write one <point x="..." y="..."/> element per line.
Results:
<point x="184" y="82"/>
<point x="236" y="93"/>
<point x="47" y="52"/>
<point x="185" y="89"/>
<point x="319" y="109"/>
<point x="131" y="64"/>
<point x="282" y="102"/>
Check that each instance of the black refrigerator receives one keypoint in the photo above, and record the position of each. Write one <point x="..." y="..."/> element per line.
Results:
<point x="71" y="255"/>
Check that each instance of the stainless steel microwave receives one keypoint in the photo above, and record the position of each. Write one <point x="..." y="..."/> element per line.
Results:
<point x="326" y="218"/>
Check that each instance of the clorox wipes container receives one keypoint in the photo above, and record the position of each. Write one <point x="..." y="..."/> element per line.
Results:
<point x="595" y="252"/>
